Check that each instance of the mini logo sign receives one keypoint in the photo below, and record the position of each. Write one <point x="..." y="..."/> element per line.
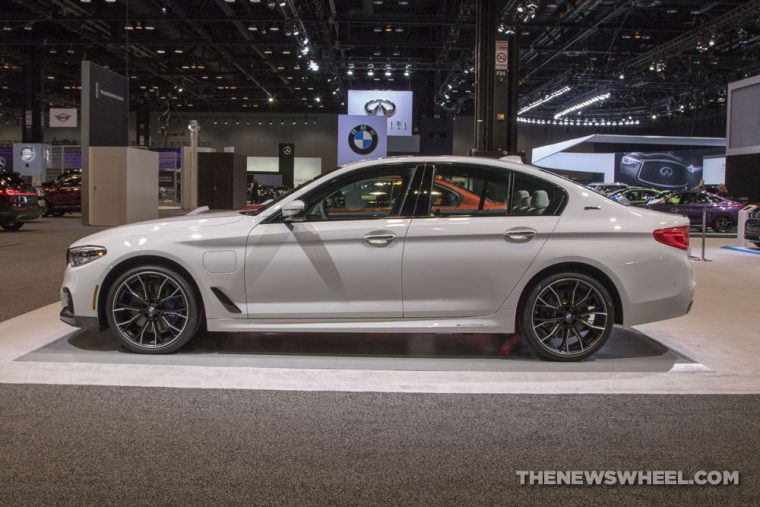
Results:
<point x="666" y="171"/>
<point x="63" y="117"/>
<point x="379" y="107"/>
<point x="287" y="150"/>
<point x="363" y="139"/>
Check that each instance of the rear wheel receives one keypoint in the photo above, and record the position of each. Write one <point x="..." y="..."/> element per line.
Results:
<point x="722" y="223"/>
<point x="153" y="310"/>
<point x="567" y="317"/>
<point x="13" y="227"/>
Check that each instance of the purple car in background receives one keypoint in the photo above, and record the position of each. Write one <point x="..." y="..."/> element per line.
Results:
<point x="722" y="213"/>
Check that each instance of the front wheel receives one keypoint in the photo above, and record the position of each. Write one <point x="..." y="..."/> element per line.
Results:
<point x="13" y="227"/>
<point x="722" y="223"/>
<point x="153" y="310"/>
<point x="567" y="317"/>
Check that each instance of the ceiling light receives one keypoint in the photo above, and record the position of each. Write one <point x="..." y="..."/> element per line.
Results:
<point x="274" y="28"/>
<point x="252" y="28"/>
<point x="270" y="99"/>
<point x="546" y="98"/>
<point x="313" y="66"/>
<point x="161" y="51"/>
<point x="179" y="51"/>
<point x="350" y="72"/>
<point x="582" y="105"/>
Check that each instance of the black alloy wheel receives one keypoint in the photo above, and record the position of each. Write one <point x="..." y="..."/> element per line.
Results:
<point x="722" y="223"/>
<point x="567" y="317"/>
<point x="153" y="310"/>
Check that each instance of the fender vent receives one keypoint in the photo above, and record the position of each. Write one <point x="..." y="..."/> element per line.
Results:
<point x="227" y="302"/>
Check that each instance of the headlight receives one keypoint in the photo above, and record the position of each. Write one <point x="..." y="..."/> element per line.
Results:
<point x="81" y="255"/>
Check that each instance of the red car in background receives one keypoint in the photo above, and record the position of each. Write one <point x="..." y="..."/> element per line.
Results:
<point x="64" y="194"/>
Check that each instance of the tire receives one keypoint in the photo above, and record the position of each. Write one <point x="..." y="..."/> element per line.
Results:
<point x="722" y="223"/>
<point x="56" y="212"/>
<point x="13" y="227"/>
<point x="157" y="308"/>
<point x="557" y="328"/>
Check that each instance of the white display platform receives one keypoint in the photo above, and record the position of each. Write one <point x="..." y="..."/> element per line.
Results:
<point x="38" y="348"/>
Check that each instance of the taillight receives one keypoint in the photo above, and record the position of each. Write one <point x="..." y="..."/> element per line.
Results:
<point x="677" y="237"/>
<point x="12" y="192"/>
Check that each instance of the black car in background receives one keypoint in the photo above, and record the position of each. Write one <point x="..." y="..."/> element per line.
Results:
<point x="660" y="170"/>
<point x="752" y="226"/>
<point x="18" y="202"/>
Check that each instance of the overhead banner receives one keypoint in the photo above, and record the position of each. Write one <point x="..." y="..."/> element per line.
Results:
<point x="394" y="106"/>
<point x="105" y="106"/>
<point x="62" y="117"/>
<point x="361" y="138"/>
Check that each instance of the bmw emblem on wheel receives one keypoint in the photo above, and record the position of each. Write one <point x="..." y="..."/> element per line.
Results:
<point x="363" y="139"/>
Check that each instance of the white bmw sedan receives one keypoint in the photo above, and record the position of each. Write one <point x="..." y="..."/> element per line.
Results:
<point x="418" y="244"/>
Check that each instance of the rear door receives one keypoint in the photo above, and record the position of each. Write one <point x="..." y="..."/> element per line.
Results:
<point x="465" y="260"/>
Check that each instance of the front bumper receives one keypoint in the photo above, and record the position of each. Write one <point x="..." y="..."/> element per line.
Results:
<point x="752" y="229"/>
<point x="67" y="314"/>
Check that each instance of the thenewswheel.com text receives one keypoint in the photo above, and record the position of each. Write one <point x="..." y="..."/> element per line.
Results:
<point x="627" y="478"/>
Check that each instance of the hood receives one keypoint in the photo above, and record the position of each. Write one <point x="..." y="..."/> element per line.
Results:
<point x="162" y="225"/>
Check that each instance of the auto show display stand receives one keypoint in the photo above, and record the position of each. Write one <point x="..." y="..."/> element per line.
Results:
<point x="222" y="180"/>
<point x="123" y="185"/>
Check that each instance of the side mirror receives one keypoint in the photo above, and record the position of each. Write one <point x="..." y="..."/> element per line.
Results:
<point x="293" y="211"/>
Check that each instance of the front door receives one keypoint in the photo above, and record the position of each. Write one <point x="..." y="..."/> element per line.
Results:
<point x="343" y="261"/>
<point x="468" y="251"/>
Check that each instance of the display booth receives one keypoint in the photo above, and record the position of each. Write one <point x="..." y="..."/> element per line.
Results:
<point x="222" y="180"/>
<point x="663" y="162"/>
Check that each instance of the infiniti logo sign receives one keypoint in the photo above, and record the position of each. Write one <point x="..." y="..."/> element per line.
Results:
<point x="380" y="106"/>
<point x="666" y="171"/>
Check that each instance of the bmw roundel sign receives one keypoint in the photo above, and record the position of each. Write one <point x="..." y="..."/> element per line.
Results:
<point x="363" y="139"/>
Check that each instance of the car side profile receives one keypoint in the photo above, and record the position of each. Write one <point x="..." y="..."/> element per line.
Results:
<point x="64" y="193"/>
<point x="721" y="213"/>
<point x="373" y="247"/>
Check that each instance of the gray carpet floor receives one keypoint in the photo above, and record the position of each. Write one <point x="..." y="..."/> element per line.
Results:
<point x="111" y="445"/>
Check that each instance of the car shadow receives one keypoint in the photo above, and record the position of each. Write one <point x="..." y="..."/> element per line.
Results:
<point x="625" y="343"/>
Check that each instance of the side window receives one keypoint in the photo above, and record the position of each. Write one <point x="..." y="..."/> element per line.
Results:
<point x="469" y="190"/>
<point x="689" y="199"/>
<point x="535" y="196"/>
<point x="373" y="193"/>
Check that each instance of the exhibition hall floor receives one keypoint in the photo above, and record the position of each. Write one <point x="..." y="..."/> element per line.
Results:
<point x="382" y="419"/>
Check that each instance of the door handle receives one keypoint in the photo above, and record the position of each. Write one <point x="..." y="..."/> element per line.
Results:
<point x="519" y="235"/>
<point x="379" y="240"/>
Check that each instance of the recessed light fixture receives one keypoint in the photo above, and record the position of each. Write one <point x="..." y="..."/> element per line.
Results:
<point x="179" y="51"/>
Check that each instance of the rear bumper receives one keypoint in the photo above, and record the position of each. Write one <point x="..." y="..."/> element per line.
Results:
<point x="13" y="215"/>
